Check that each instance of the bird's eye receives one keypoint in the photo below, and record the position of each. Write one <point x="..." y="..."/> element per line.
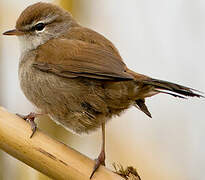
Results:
<point x="39" y="26"/>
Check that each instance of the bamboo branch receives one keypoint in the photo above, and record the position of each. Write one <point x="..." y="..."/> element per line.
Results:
<point x="45" y="154"/>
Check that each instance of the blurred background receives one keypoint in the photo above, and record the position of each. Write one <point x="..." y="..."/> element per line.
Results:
<point x="163" y="39"/>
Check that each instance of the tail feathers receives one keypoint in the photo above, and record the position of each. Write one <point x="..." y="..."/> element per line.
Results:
<point x="172" y="94"/>
<point x="140" y="104"/>
<point x="150" y="87"/>
<point x="173" y="89"/>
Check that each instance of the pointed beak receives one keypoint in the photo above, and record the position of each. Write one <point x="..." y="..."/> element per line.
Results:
<point x="14" y="32"/>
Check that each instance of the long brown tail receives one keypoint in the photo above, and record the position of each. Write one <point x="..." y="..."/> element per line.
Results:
<point x="158" y="86"/>
<point x="173" y="89"/>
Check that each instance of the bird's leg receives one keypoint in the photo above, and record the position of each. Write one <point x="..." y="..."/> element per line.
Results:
<point x="30" y="119"/>
<point x="101" y="158"/>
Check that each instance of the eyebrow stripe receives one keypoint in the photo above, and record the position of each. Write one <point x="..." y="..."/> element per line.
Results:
<point x="48" y="19"/>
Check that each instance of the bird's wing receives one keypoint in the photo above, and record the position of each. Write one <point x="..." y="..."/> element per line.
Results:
<point x="75" y="58"/>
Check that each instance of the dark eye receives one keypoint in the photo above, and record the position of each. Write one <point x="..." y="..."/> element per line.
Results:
<point x="39" y="26"/>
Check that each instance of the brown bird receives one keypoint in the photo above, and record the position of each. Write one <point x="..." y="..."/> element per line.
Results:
<point x="77" y="76"/>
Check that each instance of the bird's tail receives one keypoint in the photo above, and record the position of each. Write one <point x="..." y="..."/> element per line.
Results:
<point x="173" y="89"/>
<point x="149" y="87"/>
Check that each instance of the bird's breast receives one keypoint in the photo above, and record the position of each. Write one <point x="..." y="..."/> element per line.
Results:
<point x="80" y="104"/>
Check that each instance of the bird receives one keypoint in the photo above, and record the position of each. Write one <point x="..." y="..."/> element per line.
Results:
<point x="77" y="76"/>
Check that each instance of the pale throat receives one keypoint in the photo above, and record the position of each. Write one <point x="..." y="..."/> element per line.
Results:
<point x="28" y="43"/>
<point x="32" y="41"/>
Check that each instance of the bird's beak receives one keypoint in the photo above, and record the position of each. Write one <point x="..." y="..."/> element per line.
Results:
<point x="14" y="32"/>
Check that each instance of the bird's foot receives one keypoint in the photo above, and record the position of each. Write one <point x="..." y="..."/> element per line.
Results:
<point x="30" y="119"/>
<point x="99" y="161"/>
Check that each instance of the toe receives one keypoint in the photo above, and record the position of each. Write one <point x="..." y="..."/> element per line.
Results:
<point x="99" y="161"/>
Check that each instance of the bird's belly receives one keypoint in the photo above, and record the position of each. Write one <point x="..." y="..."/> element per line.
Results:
<point x="78" y="104"/>
<point x="74" y="104"/>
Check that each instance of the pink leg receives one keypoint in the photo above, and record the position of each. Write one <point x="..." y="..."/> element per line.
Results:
<point x="101" y="158"/>
<point x="30" y="119"/>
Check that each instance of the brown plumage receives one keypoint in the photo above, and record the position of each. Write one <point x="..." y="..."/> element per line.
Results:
<point x="77" y="76"/>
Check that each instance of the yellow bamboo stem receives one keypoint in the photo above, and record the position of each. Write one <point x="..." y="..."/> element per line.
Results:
<point x="51" y="157"/>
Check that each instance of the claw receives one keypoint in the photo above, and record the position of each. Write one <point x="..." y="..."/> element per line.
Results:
<point x="33" y="126"/>
<point x="99" y="161"/>
<point x="30" y="119"/>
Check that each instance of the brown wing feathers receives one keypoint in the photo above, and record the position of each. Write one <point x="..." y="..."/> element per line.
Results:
<point x="80" y="59"/>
